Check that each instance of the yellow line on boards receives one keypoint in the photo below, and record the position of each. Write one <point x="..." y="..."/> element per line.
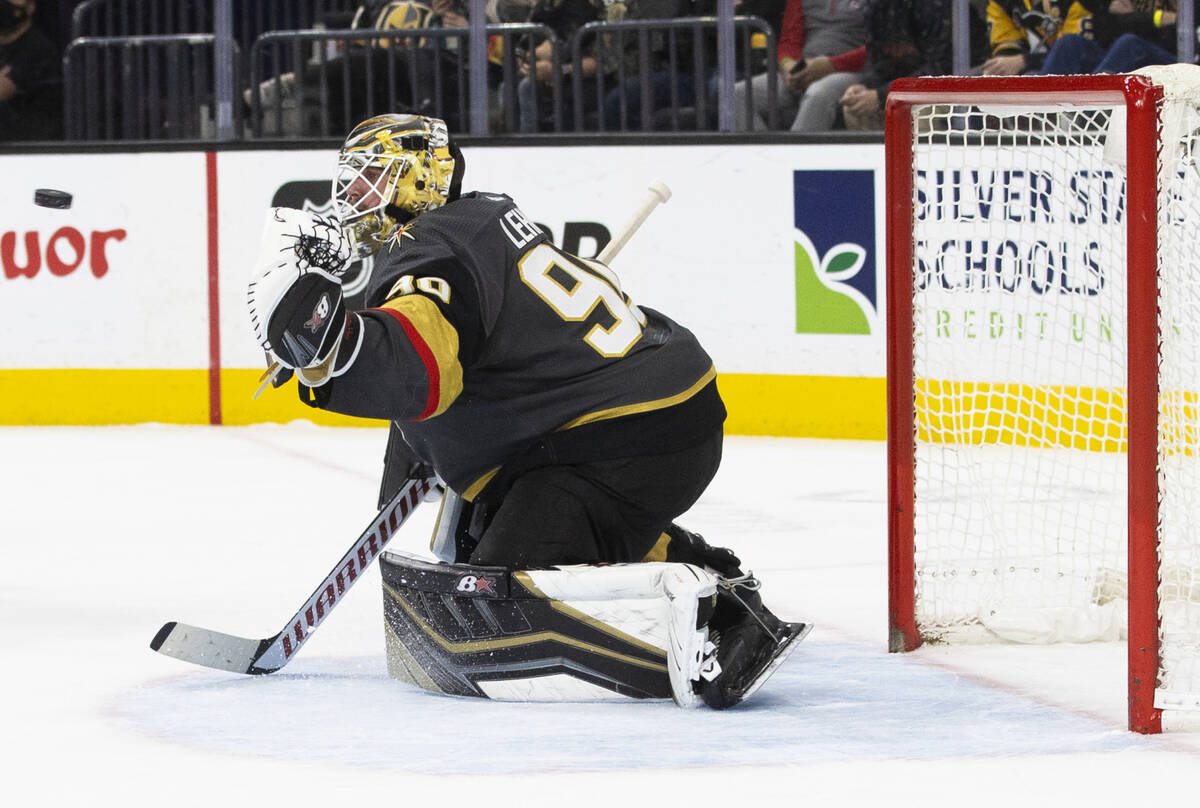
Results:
<point x="758" y="404"/>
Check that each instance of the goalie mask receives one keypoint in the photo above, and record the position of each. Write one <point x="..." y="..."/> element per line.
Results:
<point x="391" y="169"/>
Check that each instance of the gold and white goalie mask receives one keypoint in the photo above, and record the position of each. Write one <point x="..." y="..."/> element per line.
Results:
<point x="391" y="169"/>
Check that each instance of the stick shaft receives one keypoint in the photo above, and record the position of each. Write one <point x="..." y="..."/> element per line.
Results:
<point x="214" y="649"/>
<point x="658" y="194"/>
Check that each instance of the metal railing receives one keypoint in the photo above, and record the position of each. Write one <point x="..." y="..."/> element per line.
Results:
<point x="711" y="52"/>
<point x="346" y="76"/>
<point x="139" y="87"/>
<point x="351" y="75"/>
<point x="93" y="18"/>
<point x="681" y="59"/>
<point x="234" y="23"/>
<point x="474" y="101"/>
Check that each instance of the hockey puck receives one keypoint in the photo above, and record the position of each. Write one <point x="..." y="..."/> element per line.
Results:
<point x="50" y="198"/>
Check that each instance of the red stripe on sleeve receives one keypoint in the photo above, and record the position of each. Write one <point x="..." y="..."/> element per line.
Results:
<point x="792" y="32"/>
<point x="427" y="357"/>
<point x="850" y="61"/>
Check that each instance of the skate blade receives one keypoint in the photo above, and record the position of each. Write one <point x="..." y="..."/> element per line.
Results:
<point x="785" y="651"/>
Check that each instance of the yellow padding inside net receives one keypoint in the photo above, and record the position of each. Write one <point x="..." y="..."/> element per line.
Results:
<point x="1090" y="419"/>
<point x="983" y="413"/>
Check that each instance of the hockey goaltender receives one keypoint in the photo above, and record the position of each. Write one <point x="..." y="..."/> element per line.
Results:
<point x="568" y="426"/>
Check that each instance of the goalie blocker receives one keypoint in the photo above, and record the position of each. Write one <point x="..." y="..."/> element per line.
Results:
<point x="573" y="633"/>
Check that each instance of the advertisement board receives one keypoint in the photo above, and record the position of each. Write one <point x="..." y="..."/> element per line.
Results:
<point x="770" y="253"/>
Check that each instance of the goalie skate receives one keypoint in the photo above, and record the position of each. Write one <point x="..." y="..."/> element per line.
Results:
<point x="751" y="645"/>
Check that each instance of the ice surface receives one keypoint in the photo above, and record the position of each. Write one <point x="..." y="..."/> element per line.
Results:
<point x="109" y="532"/>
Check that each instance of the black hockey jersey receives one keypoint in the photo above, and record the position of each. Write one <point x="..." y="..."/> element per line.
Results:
<point x="492" y="349"/>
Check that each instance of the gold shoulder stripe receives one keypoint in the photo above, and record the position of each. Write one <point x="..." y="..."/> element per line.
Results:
<point x="474" y="488"/>
<point x="436" y="341"/>
<point x="645" y="406"/>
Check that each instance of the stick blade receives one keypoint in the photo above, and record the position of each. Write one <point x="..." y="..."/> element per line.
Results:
<point x="212" y="649"/>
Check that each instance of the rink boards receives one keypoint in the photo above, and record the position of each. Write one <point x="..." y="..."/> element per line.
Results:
<point x="129" y="306"/>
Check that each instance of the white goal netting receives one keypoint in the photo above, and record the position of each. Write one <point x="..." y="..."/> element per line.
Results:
<point x="1020" y="323"/>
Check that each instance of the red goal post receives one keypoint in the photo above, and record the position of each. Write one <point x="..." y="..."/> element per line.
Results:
<point x="1025" y="227"/>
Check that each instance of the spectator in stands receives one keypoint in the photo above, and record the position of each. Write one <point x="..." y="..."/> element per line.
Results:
<point x="534" y="93"/>
<point x="424" y="59"/>
<point x="423" y="69"/>
<point x="1022" y="32"/>
<point x="448" y="13"/>
<point x="1128" y="34"/>
<point x="617" y="54"/>
<point x="821" y="53"/>
<point x="904" y="38"/>
<point x="30" y="76"/>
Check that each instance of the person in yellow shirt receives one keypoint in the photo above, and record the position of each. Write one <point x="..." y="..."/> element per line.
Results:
<point x="1129" y="34"/>
<point x="1022" y="31"/>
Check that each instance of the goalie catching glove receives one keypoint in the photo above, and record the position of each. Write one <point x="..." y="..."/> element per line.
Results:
<point x="295" y="293"/>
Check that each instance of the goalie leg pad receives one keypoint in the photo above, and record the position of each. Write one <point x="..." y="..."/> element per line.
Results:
<point x="576" y="633"/>
<point x="691" y="595"/>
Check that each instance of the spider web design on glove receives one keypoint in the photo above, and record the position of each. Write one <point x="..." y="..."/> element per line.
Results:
<point x="324" y="247"/>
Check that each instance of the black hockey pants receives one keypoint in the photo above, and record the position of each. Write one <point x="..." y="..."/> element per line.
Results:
<point x="601" y="511"/>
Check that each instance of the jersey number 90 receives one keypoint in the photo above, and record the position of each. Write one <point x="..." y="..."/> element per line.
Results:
<point x="575" y="288"/>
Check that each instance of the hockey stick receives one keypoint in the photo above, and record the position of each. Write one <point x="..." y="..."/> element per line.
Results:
<point x="226" y="652"/>
<point x="659" y="193"/>
<point x="214" y="649"/>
